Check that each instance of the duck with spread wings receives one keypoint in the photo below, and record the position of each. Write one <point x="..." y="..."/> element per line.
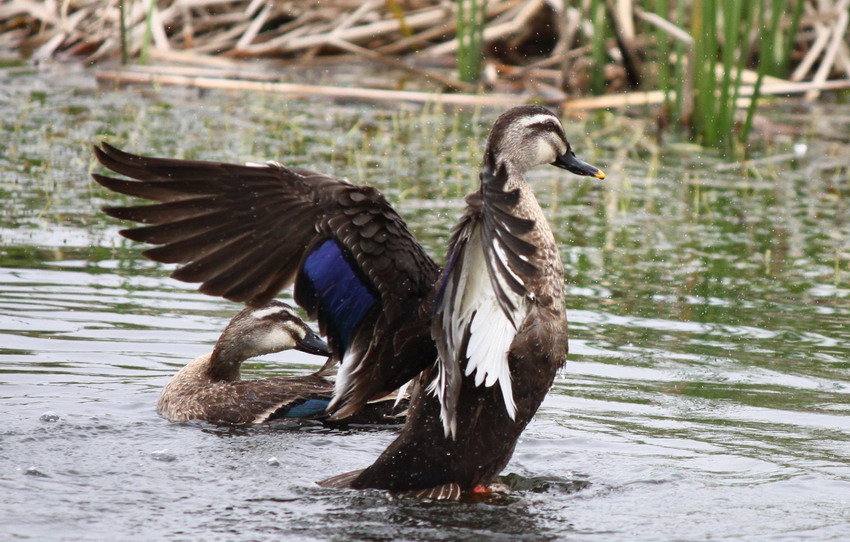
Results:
<point x="481" y="339"/>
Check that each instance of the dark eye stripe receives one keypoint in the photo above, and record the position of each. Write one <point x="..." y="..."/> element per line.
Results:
<point x="549" y="126"/>
<point x="281" y="313"/>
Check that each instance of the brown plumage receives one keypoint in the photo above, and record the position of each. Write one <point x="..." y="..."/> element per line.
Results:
<point x="244" y="232"/>
<point x="482" y="344"/>
<point x="209" y="387"/>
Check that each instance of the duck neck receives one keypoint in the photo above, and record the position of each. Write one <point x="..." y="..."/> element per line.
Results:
<point x="515" y="178"/>
<point x="225" y="361"/>
<point x="507" y="185"/>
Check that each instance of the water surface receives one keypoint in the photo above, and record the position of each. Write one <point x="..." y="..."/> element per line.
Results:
<point x="706" y="394"/>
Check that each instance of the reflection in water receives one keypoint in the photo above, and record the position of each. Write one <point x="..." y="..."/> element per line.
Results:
<point x="706" y="394"/>
<point x="371" y="516"/>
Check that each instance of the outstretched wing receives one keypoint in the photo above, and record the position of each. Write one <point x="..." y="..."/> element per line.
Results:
<point x="482" y="298"/>
<point x="247" y="232"/>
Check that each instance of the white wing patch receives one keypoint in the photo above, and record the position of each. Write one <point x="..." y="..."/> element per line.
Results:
<point x="400" y="393"/>
<point x="269" y="163"/>
<point x="491" y="325"/>
<point x="264" y="416"/>
<point x="351" y="363"/>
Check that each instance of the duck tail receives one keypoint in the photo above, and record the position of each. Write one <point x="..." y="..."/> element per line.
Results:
<point x="340" y="481"/>
<point x="444" y="492"/>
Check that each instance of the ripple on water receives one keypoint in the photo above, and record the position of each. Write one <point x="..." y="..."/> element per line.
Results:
<point x="705" y="396"/>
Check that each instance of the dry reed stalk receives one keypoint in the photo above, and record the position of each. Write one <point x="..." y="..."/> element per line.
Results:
<point x="829" y="57"/>
<point x="416" y="40"/>
<point x="493" y="32"/>
<point x="654" y="97"/>
<point x="191" y="57"/>
<point x="188" y="31"/>
<point x="305" y="91"/>
<point x="410" y="44"/>
<point x="160" y="39"/>
<point x="398" y="64"/>
<point x="818" y="19"/>
<point x="346" y="23"/>
<point x="236" y="71"/>
<point x="294" y="28"/>
<point x="223" y="40"/>
<point x="538" y="69"/>
<point x="330" y="31"/>
<point x="569" y="30"/>
<point x="367" y="31"/>
<point x="622" y="15"/>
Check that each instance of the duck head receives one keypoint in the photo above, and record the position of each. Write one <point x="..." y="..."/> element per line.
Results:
<point x="254" y="331"/>
<point x="529" y="136"/>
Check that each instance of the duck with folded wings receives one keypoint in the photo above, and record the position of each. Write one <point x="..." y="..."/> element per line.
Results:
<point x="210" y="387"/>
<point x="481" y="339"/>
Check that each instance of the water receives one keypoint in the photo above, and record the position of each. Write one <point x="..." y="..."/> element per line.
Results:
<point x="706" y="394"/>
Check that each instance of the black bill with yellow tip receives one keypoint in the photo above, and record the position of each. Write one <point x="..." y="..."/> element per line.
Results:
<point x="572" y="164"/>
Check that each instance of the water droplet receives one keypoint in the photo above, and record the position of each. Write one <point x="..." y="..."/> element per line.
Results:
<point x="164" y="456"/>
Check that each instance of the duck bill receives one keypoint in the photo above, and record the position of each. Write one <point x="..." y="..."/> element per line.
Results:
<point x="313" y="344"/>
<point x="572" y="164"/>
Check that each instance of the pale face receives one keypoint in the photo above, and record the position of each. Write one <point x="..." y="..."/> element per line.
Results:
<point x="274" y="327"/>
<point x="547" y="133"/>
<point x="528" y="136"/>
<point x="279" y="328"/>
<point x="529" y="140"/>
<point x="549" y="147"/>
<point x="279" y="337"/>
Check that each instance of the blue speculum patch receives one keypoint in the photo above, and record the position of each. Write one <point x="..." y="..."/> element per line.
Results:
<point x="343" y="297"/>
<point x="310" y="407"/>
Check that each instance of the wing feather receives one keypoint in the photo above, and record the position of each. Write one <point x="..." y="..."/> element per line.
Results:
<point x="482" y="299"/>
<point x="246" y="232"/>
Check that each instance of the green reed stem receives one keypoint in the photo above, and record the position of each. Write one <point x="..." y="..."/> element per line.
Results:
<point x="725" y="111"/>
<point x="750" y="12"/>
<point x="702" y="97"/>
<point x="772" y="56"/>
<point x="764" y="43"/>
<point x="723" y="48"/>
<point x="470" y="32"/>
<point x="123" y="29"/>
<point x="148" y="35"/>
<point x="679" y="71"/>
<point x="662" y="41"/>
<point x="791" y="37"/>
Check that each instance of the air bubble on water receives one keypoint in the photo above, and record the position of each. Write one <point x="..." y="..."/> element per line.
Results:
<point x="164" y="456"/>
